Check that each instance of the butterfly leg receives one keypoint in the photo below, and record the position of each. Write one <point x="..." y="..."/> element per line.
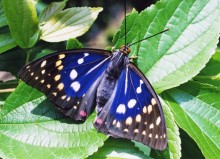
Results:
<point x="132" y="58"/>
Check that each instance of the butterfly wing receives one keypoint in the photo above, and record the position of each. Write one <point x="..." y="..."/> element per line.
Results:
<point x="134" y="111"/>
<point x="69" y="79"/>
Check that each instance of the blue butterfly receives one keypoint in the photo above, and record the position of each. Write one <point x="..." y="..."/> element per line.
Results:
<point x="78" y="81"/>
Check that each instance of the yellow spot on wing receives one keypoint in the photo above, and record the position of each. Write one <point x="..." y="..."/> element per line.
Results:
<point x="145" y="109"/>
<point x="60" y="86"/>
<point x="153" y="101"/>
<point x="138" y="118"/>
<point x="164" y="135"/>
<point x="118" y="124"/>
<point x="57" y="77"/>
<point x="48" y="86"/>
<point x="63" y="97"/>
<point x="61" y="56"/>
<point x="60" y="67"/>
<point x="68" y="99"/>
<point x="58" y="63"/>
<point x="128" y="121"/>
<point x="149" y="109"/>
<point x="114" y="122"/>
<point x="136" y="131"/>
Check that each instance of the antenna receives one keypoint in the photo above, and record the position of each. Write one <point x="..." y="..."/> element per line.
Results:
<point x="147" y="37"/>
<point x="125" y="9"/>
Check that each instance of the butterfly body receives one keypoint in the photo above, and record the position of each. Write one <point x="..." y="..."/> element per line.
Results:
<point x="77" y="81"/>
<point x="106" y="87"/>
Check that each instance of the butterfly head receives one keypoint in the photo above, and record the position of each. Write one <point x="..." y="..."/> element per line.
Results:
<point x="125" y="49"/>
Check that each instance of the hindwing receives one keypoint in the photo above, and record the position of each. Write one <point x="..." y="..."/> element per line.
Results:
<point x="134" y="111"/>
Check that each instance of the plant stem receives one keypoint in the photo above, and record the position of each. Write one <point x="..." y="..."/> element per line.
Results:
<point x="8" y="90"/>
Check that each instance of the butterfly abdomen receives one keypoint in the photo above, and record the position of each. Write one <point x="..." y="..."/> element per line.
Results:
<point x="110" y="79"/>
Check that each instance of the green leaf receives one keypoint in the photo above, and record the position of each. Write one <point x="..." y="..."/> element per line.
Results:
<point x="6" y="42"/>
<point x="31" y="127"/>
<point x="51" y="10"/>
<point x="3" y="21"/>
<point x="174" y="148"/>
<point x="167" y="59"/>
<point x="132" y="27"/>
<point x="118" y="149"/>
<point x="23" y="22"/>
<point x="146" y="150"/>
<point x="211" y="73"/>
<point x="73" y="44"/>
<point x="69" y="23"/>
<point x="197" y="112"/>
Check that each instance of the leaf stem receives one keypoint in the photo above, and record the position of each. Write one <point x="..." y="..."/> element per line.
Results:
<point x="28" y="51"/>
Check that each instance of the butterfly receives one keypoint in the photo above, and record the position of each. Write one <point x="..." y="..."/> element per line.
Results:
<point x="81" y="80"/>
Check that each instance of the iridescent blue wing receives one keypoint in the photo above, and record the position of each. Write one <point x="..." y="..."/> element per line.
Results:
<point x="134" y="111"/>
<point x="69" y="79"/>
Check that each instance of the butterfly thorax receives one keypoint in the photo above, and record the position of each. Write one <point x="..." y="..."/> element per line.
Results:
<point x="125" y="49"/>
<point x="110" y="78"/>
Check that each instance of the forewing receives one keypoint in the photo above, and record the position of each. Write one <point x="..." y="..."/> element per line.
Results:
<point x="69" y="79"/>
<point x="134" y="111"/>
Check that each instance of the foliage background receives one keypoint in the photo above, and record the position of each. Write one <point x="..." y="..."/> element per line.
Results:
<point x="29" y="125"/>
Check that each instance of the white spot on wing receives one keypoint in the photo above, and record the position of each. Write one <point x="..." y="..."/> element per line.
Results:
<point x="121" y="109"/>
<point x="158" y="120"/>
<point x="73" y="74"/>
<point x="131" y="103"/>
<point x="151" y="126"/>
<point x="42" y="72"/>
<point x="80" y="61"/>
<point x="76" y="86"/>
<point x="43" y="63"/>
<point x="139" y="90"/>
